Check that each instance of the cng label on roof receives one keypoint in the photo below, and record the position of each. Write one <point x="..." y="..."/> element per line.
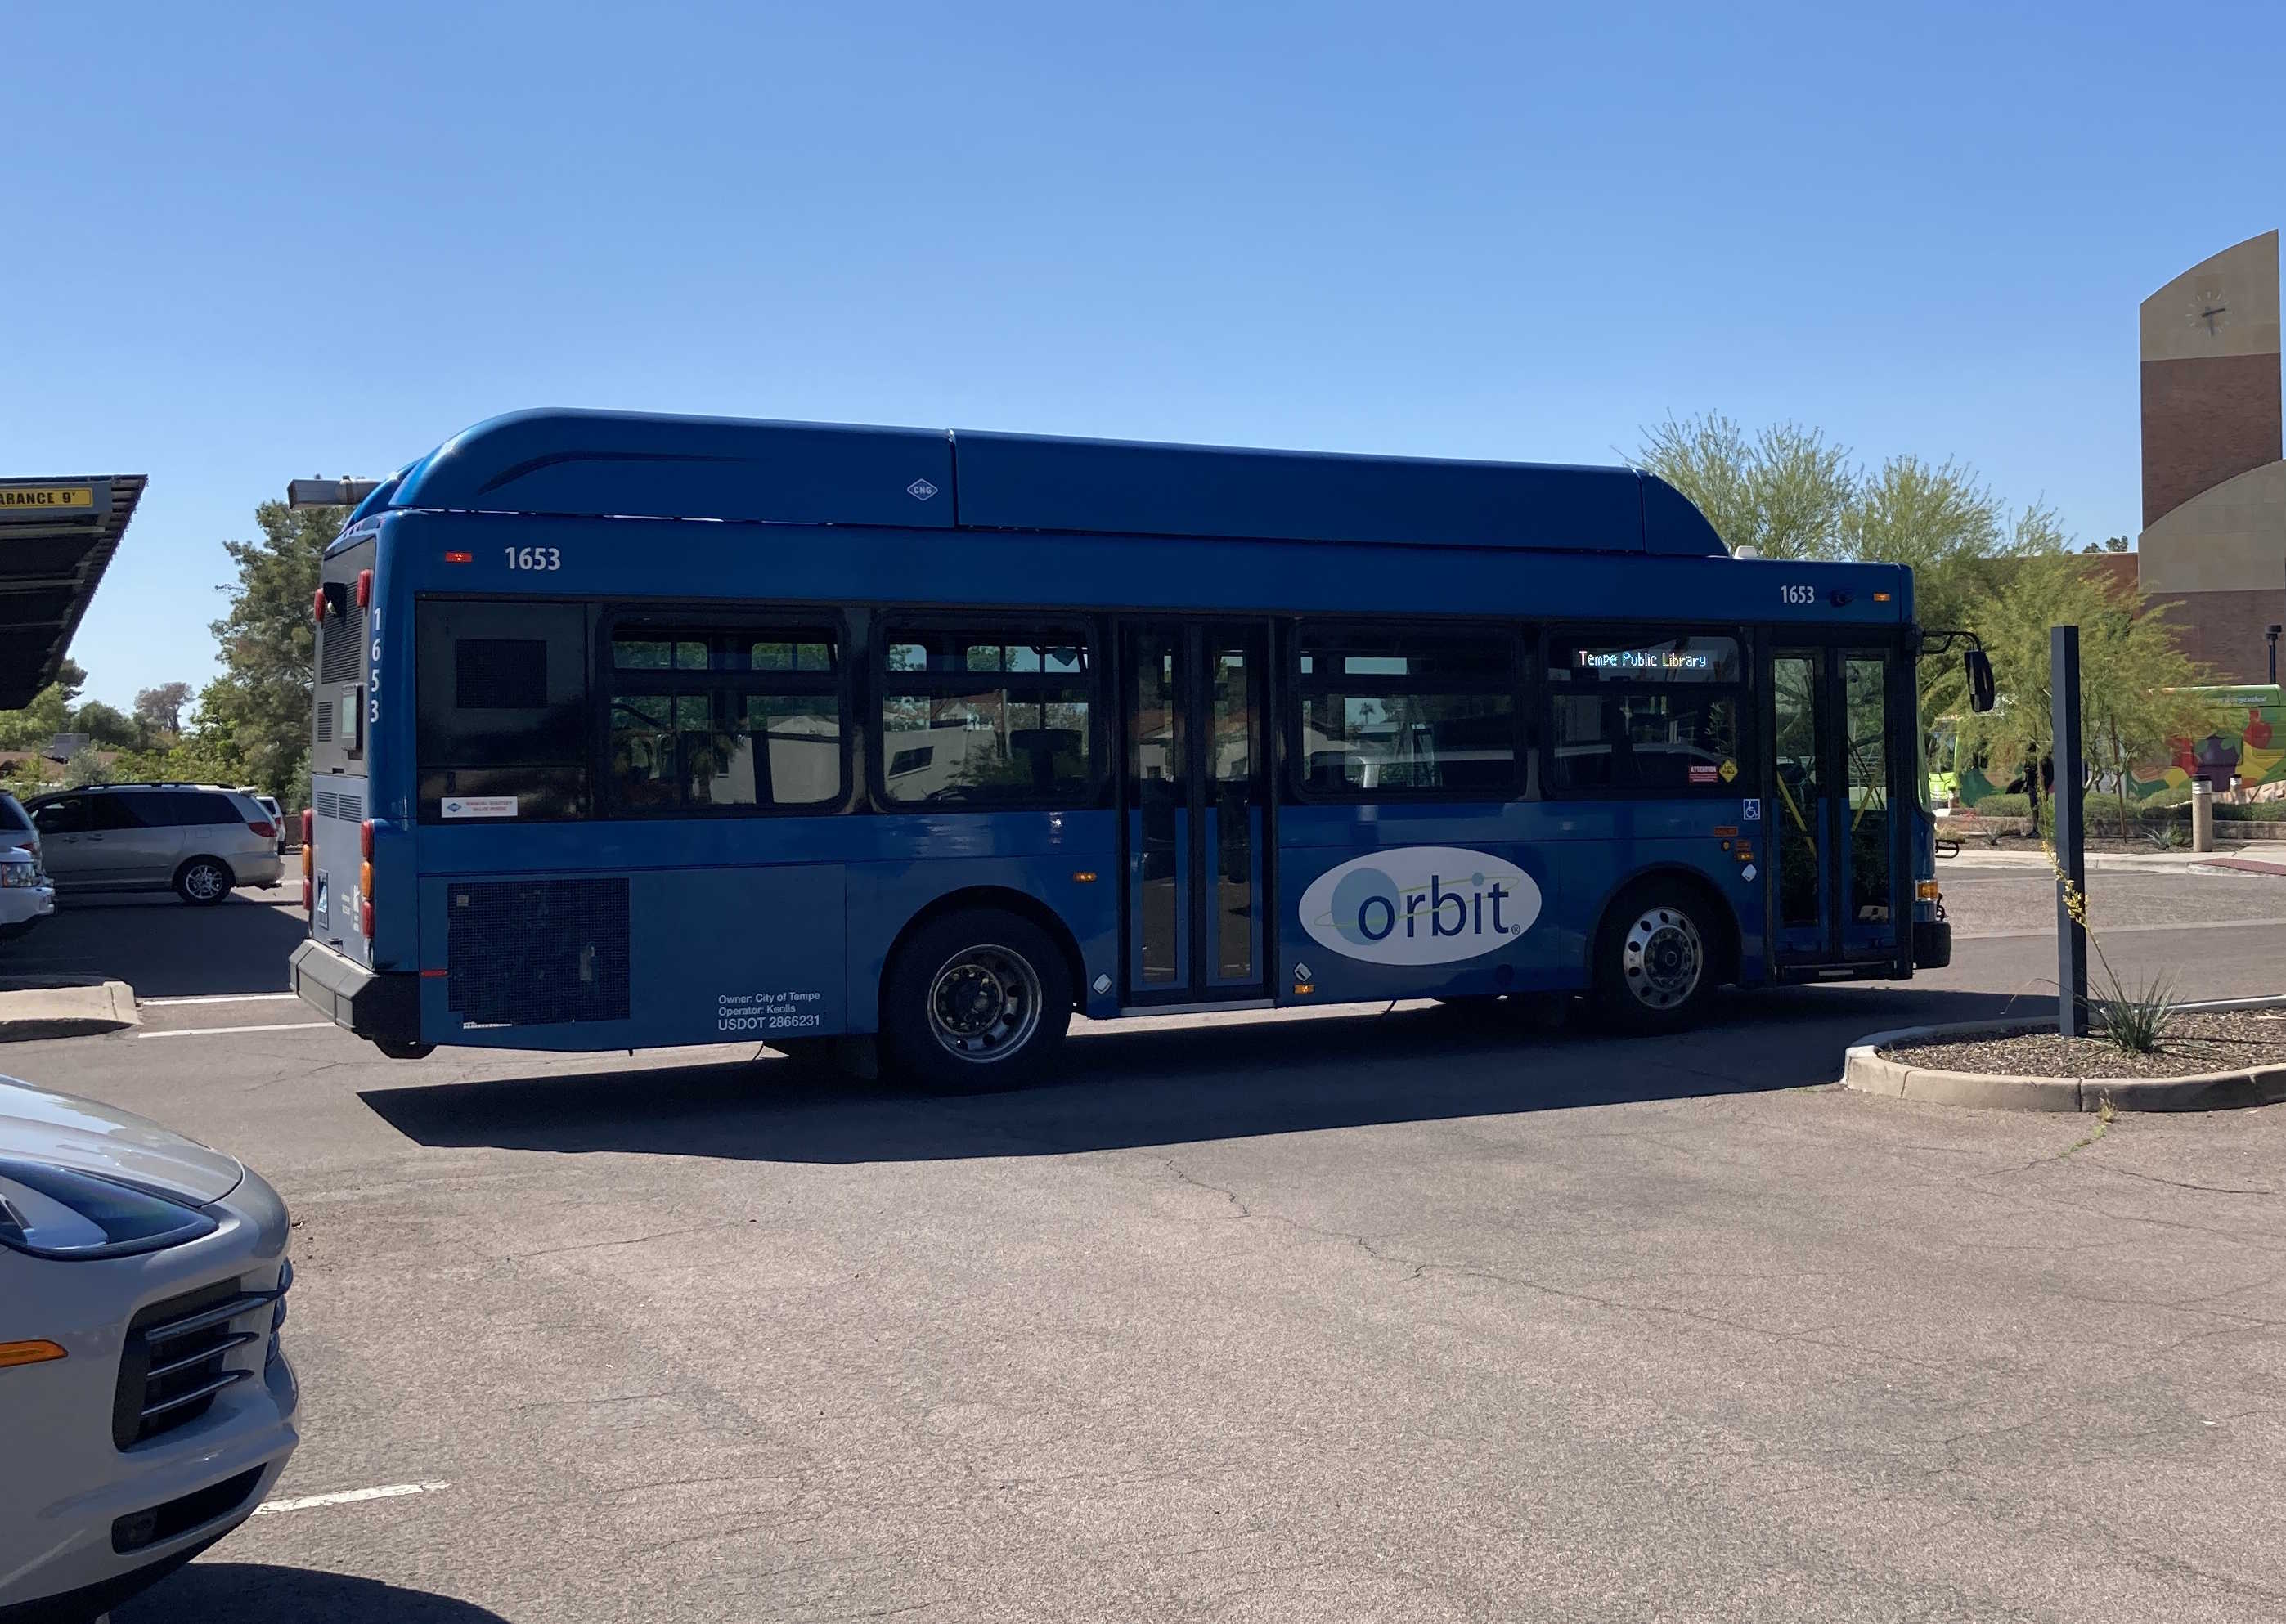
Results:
<point x="1420" y="905"/>
<point x="920" y="490"/>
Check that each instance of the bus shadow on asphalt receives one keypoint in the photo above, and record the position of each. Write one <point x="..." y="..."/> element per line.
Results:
<point x="254" y="1593"/>
<point x="1128" y="1089"/>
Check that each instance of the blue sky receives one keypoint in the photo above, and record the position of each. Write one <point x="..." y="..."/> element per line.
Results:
<point x="253" y="242"/>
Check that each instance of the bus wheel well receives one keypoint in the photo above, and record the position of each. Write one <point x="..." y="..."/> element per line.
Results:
<point x="1018" y="903"/>
<point x="1692" y="883"/>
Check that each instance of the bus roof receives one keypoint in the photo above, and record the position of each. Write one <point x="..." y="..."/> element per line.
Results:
<point x="625" y="464"/>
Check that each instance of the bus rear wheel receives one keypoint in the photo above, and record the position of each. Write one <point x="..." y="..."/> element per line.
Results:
<point x="1655" y="959"/>
<point x="976" y="1000"/>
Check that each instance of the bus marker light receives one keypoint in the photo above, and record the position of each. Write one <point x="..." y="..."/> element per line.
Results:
<point x="1880" y="597"/>
<point x="1085" y="877"/>
<point x="459" y="558"/>
<point x="1929" y="891"/>
<point x="1303" y="989"/>
<point x="37" y="1352"/>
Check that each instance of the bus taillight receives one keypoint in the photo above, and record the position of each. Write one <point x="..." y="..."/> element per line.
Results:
<point x="309" y="837"/>
<point x="365" y="879"/>
<point x="365" y="588"/>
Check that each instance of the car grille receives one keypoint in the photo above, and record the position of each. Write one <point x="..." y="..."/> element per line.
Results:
<point x="174" y="1359"/>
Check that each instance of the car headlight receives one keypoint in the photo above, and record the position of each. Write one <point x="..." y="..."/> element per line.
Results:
<point x="21" y="871"/>
<point x="60" y="1212"/>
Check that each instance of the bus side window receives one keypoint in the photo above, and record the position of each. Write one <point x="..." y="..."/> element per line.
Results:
<point x="1410" y="709"/>
<point x="714" y="717"/>
<point x="1645" y="714"/>
<point x="995" y="714"/>
<point x="501" y="697"/>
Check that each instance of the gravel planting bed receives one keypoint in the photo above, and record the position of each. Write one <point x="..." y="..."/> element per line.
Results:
<point x="2197" y="1042"/>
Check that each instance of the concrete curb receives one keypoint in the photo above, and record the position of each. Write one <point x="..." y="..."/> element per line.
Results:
<point x="1869" y="1073"/>
<point x="63" y="1006"/>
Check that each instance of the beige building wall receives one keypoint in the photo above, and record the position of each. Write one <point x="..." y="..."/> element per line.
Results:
<point x="2214" y="485"/>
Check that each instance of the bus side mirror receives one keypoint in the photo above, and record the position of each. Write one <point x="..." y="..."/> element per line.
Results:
<point x="1978" y="666"/>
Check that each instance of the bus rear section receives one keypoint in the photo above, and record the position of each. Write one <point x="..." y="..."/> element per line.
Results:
<point x="344" y="829"/>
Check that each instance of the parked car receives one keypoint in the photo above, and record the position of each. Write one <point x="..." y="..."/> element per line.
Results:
<point x="269" y="803"/>
<point x="16" y="827"/>
<point x="201" y="839"/>
<point x="25" y="897"/>
<point x="145" y="1399"/>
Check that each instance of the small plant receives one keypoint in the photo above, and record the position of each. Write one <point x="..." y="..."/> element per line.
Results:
<point x="2166" y="837"/>
<point x="2133" y="1020"/>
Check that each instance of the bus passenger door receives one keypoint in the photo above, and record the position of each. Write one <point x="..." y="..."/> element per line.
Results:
<point x="1194" y="805"/>
<point x="1834" y="811"/>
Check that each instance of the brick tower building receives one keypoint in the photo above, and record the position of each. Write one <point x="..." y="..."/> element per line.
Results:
<point x="2214" y="485"/>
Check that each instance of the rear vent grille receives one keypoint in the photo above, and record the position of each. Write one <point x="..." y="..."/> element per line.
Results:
<point x="343" y="804"/>
<point x="341" y="645"/>
<point x="326" y="724"/>
<point x="537" y="952"/>
<point x="176" y="1358"/>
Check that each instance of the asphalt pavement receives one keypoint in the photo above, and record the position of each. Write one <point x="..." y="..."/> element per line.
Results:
<point x="1376" y="1314"/>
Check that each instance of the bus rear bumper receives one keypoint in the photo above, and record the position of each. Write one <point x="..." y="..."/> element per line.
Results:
<point x="377" y="1004"/>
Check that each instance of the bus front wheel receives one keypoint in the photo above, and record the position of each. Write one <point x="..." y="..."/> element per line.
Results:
<point x="976" y="1000"/>
<point x="1655" y="959"/>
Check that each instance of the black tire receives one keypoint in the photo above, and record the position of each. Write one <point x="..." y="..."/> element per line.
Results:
<point x="1659" y="956"/>
<point x="975" y="1001"/>
<point x="397" y="1049"/>
<point x="204" y="881"/>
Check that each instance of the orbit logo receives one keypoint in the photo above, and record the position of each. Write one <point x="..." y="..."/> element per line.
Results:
<point x="1420" y="905"/>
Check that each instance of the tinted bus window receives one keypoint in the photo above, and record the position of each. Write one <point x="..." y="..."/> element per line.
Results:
<point x="1655" y="715"/>
<point x="500" y="698"/>
<point x="712" y="718"/>
<point x="1407" y="709"/>
<point x="994" y="715"/>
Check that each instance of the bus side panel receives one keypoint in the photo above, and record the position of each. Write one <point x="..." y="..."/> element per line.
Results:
<point x="1383" y="902"/>
<point x="653" y="959"/>
<point x="1412" y="901"/>
<point x="1078" y="884"/>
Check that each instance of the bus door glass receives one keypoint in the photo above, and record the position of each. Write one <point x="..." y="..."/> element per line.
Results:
<point x="1834" y="808"/>
<point x="1194" y="799"/>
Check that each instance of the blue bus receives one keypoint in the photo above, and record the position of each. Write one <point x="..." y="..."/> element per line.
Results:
<point x="635" y="731"/>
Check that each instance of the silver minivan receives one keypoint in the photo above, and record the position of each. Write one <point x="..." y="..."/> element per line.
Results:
<point x="198" y="840"/>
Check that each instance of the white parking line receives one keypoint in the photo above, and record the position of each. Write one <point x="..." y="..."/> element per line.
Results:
<point x="223" y="1031"/>
<point x="387" y="1491"/>
<point x="219" y="997"/>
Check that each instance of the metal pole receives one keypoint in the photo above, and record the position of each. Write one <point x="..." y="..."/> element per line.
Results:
<point x="2066" y="802"/>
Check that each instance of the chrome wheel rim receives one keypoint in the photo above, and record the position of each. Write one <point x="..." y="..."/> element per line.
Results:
<point x="203" y="882"/>
<point x="1662" y="959"/>
<point x="984" y="1003"/>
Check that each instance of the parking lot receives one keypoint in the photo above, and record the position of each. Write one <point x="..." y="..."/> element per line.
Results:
<point x="1371" y="1314"/>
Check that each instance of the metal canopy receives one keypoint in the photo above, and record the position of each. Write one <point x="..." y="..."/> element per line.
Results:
<point x="57" y="536"/>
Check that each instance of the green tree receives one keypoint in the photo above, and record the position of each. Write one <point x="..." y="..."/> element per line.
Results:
<point x="1788" y="493"/>
<point x="254" y="719"/>
<point x="105" y="724"/>
<point x="162" y="707"/>
<point x="2134" y="677"/>
<point x="85" y="767"/>
<point x="48" y="714"/>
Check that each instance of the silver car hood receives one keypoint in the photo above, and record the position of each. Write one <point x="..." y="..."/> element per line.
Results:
<point x="43" y="1126"/>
